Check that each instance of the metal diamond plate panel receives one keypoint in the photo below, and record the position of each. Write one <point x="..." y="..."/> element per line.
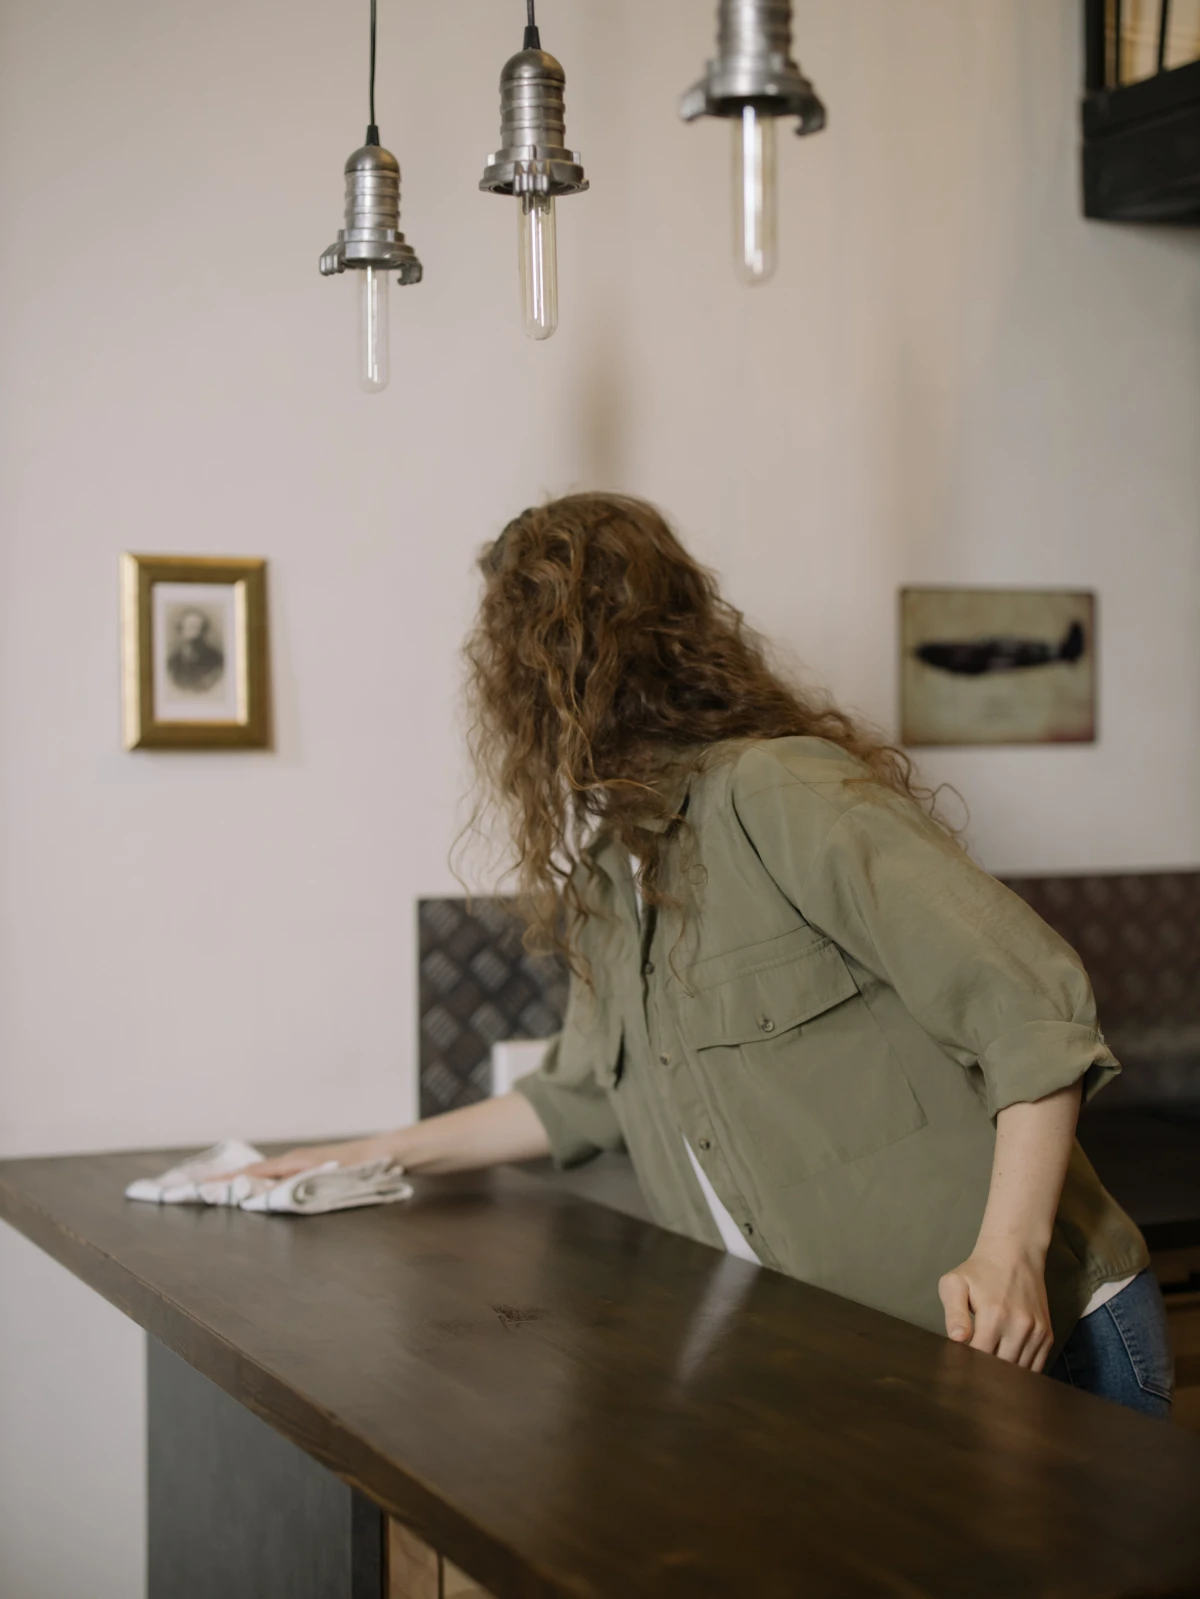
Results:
<point x="478" y="985"/>
<point x="1138" y="934"/>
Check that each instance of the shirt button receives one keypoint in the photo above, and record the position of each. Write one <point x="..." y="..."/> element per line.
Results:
<point x="767" y="1025"/>
<point x="705" y="1144"/>
<point x="748" y="1228"/>
<point x="648" y="968"/>
<point x="664" y="1060"/>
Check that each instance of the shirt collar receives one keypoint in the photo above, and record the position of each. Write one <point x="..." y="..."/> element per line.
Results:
<point x="610" y="856"/>
<point x="674" y="788"/>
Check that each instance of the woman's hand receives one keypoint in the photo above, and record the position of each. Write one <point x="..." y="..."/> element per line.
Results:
<point x="1002" y="1283"/>
<point x="308" y="1156"/>
<point x="1005" y="1292"/>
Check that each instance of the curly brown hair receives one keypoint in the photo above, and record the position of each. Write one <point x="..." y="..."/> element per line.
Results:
<point x="604" y="666"/>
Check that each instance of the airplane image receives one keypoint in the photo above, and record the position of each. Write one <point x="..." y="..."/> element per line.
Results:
<point x="974" y="657"/>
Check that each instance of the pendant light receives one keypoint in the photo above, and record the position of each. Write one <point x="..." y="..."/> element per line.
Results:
<point x="533" y="165"/>
<point x="371" y="243"/>
<point x="752" y="81"/>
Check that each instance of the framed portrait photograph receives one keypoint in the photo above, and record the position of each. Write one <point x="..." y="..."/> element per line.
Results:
<point x="194" y="642"/>
<point x="997" y="666"/>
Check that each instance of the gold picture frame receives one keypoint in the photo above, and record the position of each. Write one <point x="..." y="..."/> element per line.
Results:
<point x="194" y="648"/>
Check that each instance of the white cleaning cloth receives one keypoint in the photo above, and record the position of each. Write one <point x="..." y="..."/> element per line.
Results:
<point x="181" y="1185"/>
<point x="334" y="1187"/>
<point x="308" y="1193"/>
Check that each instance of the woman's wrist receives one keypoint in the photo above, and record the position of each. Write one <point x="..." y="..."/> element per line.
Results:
<point x="408" y="1145"/>
<point x="1029" y="1243"/>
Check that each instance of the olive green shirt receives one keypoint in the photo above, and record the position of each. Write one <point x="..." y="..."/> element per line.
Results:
<point x="832" y="1017"/>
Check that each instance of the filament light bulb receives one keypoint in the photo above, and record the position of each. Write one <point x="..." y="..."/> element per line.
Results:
<point x="372" y="247"/>
<point x="534" y="165"/>
<point x="373" y="352"/>
<point x="755" y="203"/>
<point x="537" y="264"/>
<point x="752" y="81"/>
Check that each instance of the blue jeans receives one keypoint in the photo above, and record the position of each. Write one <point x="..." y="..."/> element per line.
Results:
<point x="1122" y="1351"/>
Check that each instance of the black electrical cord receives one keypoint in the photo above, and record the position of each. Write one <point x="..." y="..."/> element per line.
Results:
<point x="532" y="39"/>
<point x="1164" y="28"/>
<point x="372" y="130"/>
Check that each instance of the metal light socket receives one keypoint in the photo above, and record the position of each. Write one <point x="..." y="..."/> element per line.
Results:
<point x="372" y="237"/>
<point x="533" y="158"/>
<point x="754" y="66"/>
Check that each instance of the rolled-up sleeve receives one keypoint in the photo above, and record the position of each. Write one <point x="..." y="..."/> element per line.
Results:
<point x="974" y="965"/>
<point x="571" y="1105"/>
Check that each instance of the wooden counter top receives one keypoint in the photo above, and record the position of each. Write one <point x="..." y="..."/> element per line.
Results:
<point x="567" y="1401"/>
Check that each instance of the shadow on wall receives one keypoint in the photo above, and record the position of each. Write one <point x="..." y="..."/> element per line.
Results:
<point x="603" y="404"/>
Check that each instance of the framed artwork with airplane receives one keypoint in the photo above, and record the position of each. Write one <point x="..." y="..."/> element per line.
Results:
<point x="997" y="666"/>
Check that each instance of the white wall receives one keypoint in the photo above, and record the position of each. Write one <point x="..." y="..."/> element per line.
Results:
<point x="953" y="379"/>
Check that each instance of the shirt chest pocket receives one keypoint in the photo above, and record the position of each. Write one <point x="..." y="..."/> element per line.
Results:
<point x="793" y="1061"/>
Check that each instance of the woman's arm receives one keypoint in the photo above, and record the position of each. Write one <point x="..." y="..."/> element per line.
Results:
<point x="488" y="1134"/>
<point x="1002" y="1284"/>
<point x="985" y="977"/>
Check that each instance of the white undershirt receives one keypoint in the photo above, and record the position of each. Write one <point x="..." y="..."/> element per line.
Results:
<point x="731" y="1234"/>
<point x="735" y="1241"/>
<point x="1105" y="1292"/>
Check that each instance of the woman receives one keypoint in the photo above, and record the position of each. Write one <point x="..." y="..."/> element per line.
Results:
<point x="827" y="1039"/>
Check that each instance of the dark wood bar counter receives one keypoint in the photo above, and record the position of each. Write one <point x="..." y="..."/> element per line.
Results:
<point x="566" y="1401"/>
